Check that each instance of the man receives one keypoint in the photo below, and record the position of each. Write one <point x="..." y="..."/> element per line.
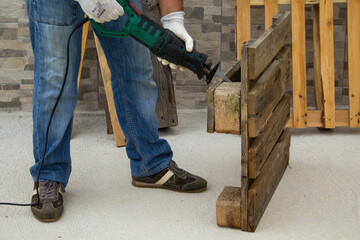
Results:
<point x="134" y="90"/>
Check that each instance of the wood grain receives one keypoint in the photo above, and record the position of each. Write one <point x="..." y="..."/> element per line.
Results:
<point x="267" y="46"/>
<point x="299" y="63"/>
<point x="318" y="92"/>
<point x="353" y="19"/>
<point x="228" y="207"/>
<point x="327" y="61"/>
<point x="271" y="9"/>
<point x="265" y="142"/>
<point x="106" y="76"/>
<point x="265" y="184"/>
<point x="243" y="25"/>
<point x="268" y="91"/>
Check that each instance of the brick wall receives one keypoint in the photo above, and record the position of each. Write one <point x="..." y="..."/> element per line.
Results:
<point x="210" y="22"/>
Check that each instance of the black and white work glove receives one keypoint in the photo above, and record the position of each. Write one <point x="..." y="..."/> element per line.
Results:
<point x="101" y="10"/>
<point x="175" y="22"/>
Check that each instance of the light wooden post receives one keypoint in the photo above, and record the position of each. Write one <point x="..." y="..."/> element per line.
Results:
<point x="243" y="24"/>
<point x="85" y="33"/>
<point x="353" y="61"/>
<point x="318" y="92"/>
<point x="327" y="61"/>
<point x="271" y="9"/>
<point x="299" y="63"/>
<point x="106" y="76"/>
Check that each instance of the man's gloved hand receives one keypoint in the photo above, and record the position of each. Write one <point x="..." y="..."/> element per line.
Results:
<point x="101" y="10"/>
<point x="175" y="22"/>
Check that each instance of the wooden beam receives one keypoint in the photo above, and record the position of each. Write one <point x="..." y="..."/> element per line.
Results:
<point x="85" y="33"/>
<point x="243" y="24"/>
<point x="327" y="61"/>
<point x="353" y="20"/>
<point x="318" y="92"/>
<point x="265" y="184"/>
<point x="299" y="63"/>
<point x="228" y="207"/>
<point x="244" y="138"/>
<point x="267" y="46"/>
<point x="287" y="2"/>
<point x="227" y="108"/>
<point x="268" y="91"/>
<point x="265" y="142"/>
<point x="106" y="76"/>
<point x="315" y="118"/>
<point x="271" y="9"/>
<point x="211" y="104"/>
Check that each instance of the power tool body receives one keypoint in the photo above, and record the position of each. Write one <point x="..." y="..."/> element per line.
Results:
<point x="161" y="42"/>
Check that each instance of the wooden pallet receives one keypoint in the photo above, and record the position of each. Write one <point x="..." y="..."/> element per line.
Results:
<point x="265" y="140"/>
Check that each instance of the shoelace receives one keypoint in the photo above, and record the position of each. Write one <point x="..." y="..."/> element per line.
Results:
<point x="180" y="172"/>
<point x="49" y="190"/>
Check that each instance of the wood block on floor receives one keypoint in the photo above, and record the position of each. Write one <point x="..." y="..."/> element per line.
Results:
<point x="228" y="207"/>
<point x="227" y="107"/>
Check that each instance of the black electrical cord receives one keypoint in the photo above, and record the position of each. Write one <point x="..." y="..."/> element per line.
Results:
<point x="48" y="126"/>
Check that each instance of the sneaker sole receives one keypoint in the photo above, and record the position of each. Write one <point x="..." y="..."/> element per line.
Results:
<point x="47" y="219"/>
<point x="152" y="185"/>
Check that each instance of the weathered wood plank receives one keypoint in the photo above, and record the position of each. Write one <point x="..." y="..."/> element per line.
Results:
<point x="244" y="138"/>
<point x="271" y="9"/>
<point x="265" y="48"/>
<point x="317" y="72"/>
<point x="228" y="207"/>
<point x="165" y="105"/>
<point x="211" y="105"/>
<point x="227" y="107"/>
<point x="315" y="118"/>
<point x="353" y="61"/>
<point x="262" y="146"/>
<point x="327" y="61"/>
<point x="243" y="24"/>
<point x="268" y="91"/>
<point x="265" y="184"/>
<point x="106" y="76"/>
<point x="299" y="63"/>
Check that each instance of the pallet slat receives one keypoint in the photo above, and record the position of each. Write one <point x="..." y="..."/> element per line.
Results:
<point x="299" y="63"/>
<point x="268" y="91"/>
<point x="265" y="184"/>
<point x="315" y="118"/>
<point x="262" y="146"/>
<point x="317" y="73"/>
<point x="353" y="61"/>
<point x="271" y="9"/>
<point x="327" y="61"/>
<point x="265" y="48"/>
<point x="243" y="24"/>
<point x="120" y="139"/>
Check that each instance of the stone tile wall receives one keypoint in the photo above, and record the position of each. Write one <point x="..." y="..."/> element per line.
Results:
<point x="210" y="22"/>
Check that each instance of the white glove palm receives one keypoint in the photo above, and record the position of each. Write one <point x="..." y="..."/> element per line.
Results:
<point x="175" y="22"/>
<point x="101" y="10"/>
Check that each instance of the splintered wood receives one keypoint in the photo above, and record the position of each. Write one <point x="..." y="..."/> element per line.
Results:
<point x="265" y="111"/>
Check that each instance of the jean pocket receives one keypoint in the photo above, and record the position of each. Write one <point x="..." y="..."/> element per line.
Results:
<point x="56" y="12"/>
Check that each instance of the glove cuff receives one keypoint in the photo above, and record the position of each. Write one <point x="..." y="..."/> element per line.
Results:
<point x="173" y="17"/>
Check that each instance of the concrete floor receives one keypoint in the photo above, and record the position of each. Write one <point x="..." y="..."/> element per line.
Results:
<point x="318" y="197"/>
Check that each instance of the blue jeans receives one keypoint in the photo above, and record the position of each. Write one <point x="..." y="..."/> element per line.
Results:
<point x="134" y="90"/>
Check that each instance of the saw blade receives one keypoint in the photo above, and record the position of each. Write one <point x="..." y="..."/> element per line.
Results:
<point x="221" y="75"/>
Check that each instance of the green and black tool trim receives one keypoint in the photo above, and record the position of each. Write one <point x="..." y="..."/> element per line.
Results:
<point x="161" y="42"/>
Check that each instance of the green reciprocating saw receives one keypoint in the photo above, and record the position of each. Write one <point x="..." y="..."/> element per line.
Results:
<point x="161" y="42"/>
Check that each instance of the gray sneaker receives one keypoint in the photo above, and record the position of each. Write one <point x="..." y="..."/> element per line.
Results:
<point x="172" y="178"/>
<point x="51" y="201"/>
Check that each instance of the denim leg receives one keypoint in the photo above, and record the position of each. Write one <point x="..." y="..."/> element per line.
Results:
<point x="50" y="24"/>
<point x="135" y="94"/>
